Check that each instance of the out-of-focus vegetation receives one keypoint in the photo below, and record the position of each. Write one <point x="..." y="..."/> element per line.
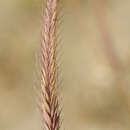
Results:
<point x="96" y="63"/>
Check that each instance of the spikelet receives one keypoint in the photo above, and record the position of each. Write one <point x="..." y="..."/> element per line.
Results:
<point x="49" y="97"/>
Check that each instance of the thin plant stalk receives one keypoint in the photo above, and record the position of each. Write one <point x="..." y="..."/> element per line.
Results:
<point x="108" y="42"/>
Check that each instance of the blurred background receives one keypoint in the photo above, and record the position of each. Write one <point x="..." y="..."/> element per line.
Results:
<point x="96" y="64"/>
